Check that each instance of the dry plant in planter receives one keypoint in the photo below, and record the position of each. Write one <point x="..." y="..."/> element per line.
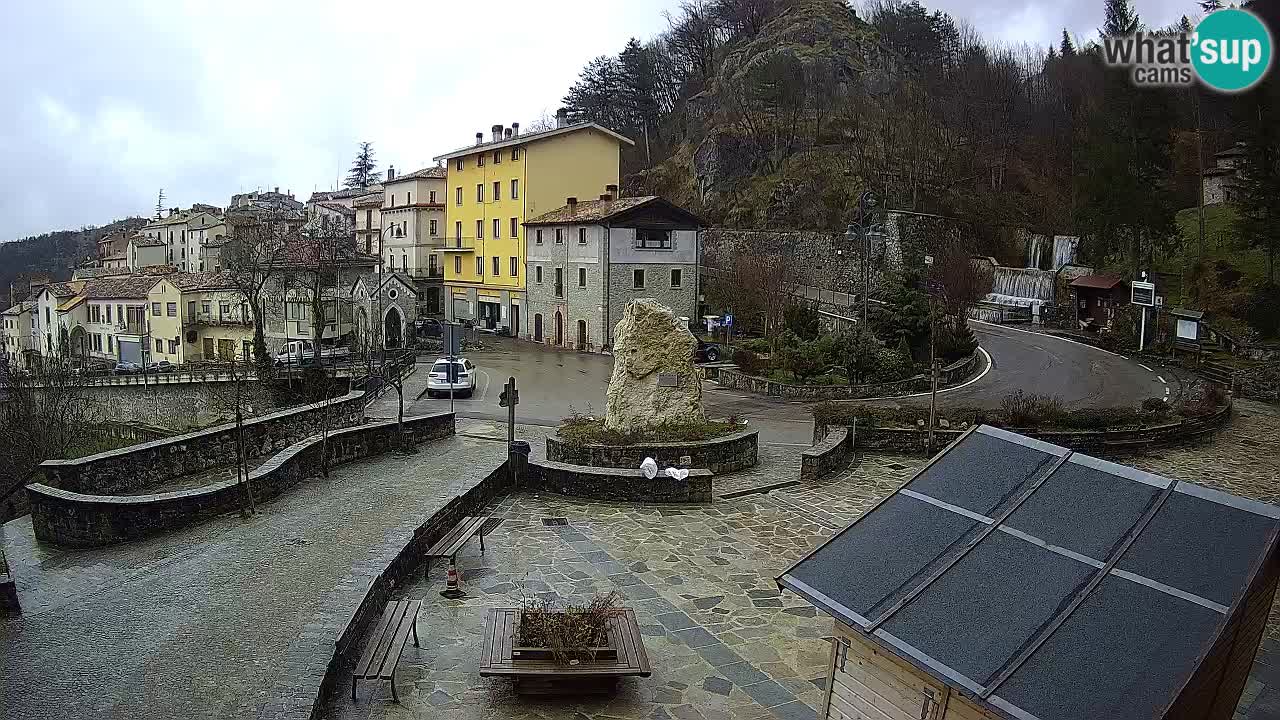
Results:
<point x="569" y="635"/>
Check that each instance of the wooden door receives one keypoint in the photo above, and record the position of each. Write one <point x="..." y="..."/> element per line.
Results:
<point x="869" y="683"/>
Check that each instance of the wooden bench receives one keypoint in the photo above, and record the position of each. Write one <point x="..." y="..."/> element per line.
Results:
<point x="448" y="546"/>
<point x="386" y="642"/>
<point x="499" y="658"/>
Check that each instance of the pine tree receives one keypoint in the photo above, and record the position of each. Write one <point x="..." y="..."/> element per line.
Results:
<point x="1259" y="201"/>
<point x="1068" y="48"/>
<point x="363" y="168"/>
<point x="1210" y="5"/>
<point x="1120" y="19"/>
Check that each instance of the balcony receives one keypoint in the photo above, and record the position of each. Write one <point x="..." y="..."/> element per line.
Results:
<point x="458" y="246"/>
<point x="131" y="327"/>
<point x="212" y="319"/>
<point x="429" y="273"/>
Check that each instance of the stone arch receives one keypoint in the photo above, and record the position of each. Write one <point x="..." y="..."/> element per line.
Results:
<point x="393" y="329"/>
<point x="78" y="342"/>
<point x="558" y="337"/>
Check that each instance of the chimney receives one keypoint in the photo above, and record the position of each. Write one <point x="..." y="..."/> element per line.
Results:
<point x="562" y="117"/>
<point x="612" y="190"/>
<point x="497" y="132"/>
<point x="277" y="189"/>
<point x="506" y="134"/>
<point x="572" y="203"/>
<point x="515" y="129"/>
<point x="605" y="197"/>
<point x="479" y="138"/>
<point x="391" y="173"/>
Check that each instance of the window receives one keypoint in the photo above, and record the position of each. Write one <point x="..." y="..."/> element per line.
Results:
<point x="408" y="198"/>
<point x="582" y="277"/>
<point x="173" y="347"/>
<point x="537" y="236"/>
<point x="479" y="266"/>
<point x="204" y="307"/>
<point x="479" y="229"/>
<point x="457" y="195"/>
<point x="637" y="279"/>
<point x="515" y="153"/>
<point x="111" y="344"/>
<point x="515" y="227"/>
<point x="497" y="156"/>
<point x="515" y="267"/>
<point x="171" y="309"/>
<point x="392" y="258"/>
<point x="497" y="190"/>
<point x="537" y="274"/>
<point x="559" y="236"/>
<point x="653" y="239"/>
<point x="433" y="227"/>
<point x="155" y="311"/>
<point x="457" y="264"/>
<point x="559" y="282"/>
<point x="675" y="278"/>
<point x="497" y="228"/>
<point x="108" y="314"/>
<point x="480" y="192"/>
<point x="497" y="268"/>
<point x="393" y="199"/>
<point x="159" y="345"/>
<point x="480" y="160"/>
<point x="582" y="236"/>
<point x="432" y="197"/>
<point x="515" y="189"/>
<point x="457" y="232"/>
<point x="458" y="165"/>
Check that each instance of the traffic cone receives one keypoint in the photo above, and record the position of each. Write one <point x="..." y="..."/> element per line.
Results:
<point x="451" y="589"/>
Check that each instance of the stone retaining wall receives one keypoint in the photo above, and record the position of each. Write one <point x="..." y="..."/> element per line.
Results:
<point x="139" y="466"/>
<point x="329" y="645"/>
<point x="913" y="440"/>
<point x="83" y="520"/>
<point x="626" y="484"/>
<point x="720" y="455"/>
<point x="829" y="454"/>
<point x="956" y="372"/>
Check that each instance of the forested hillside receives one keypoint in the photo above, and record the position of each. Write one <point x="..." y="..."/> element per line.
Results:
<point x="51" y="255"/>
<point x="778" y="113"/>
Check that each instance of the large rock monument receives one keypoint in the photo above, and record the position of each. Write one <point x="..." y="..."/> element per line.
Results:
<point x="654" y="380"/>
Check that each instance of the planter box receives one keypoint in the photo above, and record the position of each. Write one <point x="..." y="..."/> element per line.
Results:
<point x="535" y="672"/>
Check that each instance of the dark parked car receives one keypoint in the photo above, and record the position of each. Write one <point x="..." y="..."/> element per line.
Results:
<point x="126" y="368"/>
<point x="707" y="352"/>
<point x="164" y="366"/>
<point x="429" y="327"/>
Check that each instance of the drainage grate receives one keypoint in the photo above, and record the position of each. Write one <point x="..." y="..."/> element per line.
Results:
<point x="555" y="521"/>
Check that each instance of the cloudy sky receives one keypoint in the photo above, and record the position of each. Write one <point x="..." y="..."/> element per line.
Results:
<point x="108" y="102"/>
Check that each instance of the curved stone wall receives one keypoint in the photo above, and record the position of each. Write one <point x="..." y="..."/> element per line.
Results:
<point x="138" y="467"/>
<point x="628" y="484"/>
<point x="78" y="519"/>
<point x="720" y="455"/>
<point x="952" y="374"/>
<point x="829" y="454"/>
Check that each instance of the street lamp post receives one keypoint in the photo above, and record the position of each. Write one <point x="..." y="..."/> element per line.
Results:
<point x="860" y="232"/>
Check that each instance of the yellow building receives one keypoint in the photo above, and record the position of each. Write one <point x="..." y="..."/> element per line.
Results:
<point x="198" y="316"/>
<point x="492" y="187"/>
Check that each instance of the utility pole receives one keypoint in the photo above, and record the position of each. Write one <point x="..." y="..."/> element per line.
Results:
<point x="932" y="288"/>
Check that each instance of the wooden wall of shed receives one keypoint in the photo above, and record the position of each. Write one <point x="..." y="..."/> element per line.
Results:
<point x="1214" y="690"/>
<point x="877" y="684"/>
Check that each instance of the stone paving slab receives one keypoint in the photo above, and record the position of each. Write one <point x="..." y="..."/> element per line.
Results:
<point x="192" y="624"/>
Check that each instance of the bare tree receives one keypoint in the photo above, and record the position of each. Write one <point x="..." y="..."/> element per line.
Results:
<point x="964" y="280"/>
<point x="252" y="257"/>
<point x="242" y="397"/>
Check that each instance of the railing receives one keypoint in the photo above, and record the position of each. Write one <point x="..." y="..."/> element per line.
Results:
<point x="135" y="327"/>
<point x="217" y="319"/>
<point x="459" y="245"/>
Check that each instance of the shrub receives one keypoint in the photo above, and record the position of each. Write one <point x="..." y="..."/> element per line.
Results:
<point x="955" y="340"/>
<point x="1202" y="399"/>
<point x="861" y="352"/>
<point x="579" y="430"/>
<point x="1021" y="409"/>
<point x="801" y="320"/>
<point x="1098" y="419"/>
<point x="831" y="348"/>
<point x="571" y="633"/>
<point x="749" y="362"/>
<point x="1156" y="408"/>
<point x="755" y="345"/>
<point x="892" y="365"/>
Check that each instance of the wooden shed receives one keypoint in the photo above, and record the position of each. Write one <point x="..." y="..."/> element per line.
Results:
<point x="1015" y="579"/>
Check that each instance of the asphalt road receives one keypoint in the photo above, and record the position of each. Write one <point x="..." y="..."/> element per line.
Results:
<point x="554" y="384"/>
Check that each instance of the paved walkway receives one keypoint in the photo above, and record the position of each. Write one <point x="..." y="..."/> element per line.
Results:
<point x="192" y="624"/>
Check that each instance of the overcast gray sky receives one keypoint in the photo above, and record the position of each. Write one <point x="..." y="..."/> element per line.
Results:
<point x="107" y="102"/>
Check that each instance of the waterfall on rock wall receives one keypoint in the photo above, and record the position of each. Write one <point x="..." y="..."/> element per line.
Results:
<point x="1015" y="286"/>
<point x="1064" y="250"/>
<point x="1035" y="250"/>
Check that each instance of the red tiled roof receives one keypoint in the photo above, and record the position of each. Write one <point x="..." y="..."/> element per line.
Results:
<point x="1096" y="282"/>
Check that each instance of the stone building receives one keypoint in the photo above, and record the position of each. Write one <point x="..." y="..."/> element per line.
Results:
<point x="1221" y="181"/>
<point x="384" y="311"/>
<point x="588" y="259"/>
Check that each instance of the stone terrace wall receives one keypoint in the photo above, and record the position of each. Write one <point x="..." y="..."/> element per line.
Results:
<point x="829" y="454"/>
<point x="957" y="372"/>
<point x="140" y="466"/>
<point x="329" y="645"/>
<point x="720" y="456"/>
<point x="617" y="483"/>
<point x="80" y="520"/>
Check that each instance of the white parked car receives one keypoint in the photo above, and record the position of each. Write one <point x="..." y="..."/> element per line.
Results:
<point x="438" y="378"/>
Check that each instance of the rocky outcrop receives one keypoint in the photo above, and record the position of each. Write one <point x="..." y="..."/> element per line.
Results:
<point x="651" y="345"/>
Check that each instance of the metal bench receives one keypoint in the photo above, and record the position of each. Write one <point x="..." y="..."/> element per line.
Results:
<point x="448" y="546"/>
<point x="386" y="642"/>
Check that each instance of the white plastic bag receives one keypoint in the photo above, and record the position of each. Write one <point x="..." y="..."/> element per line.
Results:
<point x="677" y="473"/>
<point x="650" y="468"/>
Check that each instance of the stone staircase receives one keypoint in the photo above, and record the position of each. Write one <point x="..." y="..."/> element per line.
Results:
<point x="1217" y="371"/>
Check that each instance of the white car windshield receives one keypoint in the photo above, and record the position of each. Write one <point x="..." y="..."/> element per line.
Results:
<point x="443" y="366"/>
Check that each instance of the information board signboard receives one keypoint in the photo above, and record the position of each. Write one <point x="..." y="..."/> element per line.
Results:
<point x="1142" y="293"/>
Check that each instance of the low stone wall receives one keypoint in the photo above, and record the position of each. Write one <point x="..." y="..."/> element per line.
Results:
<point x="913" y="440"/>
<point x="956" y="372"/>
<point x="829" y="454"/>
<point x="83" y="520"/>
<point x="1259" y="383"/>
<point x="139" y="466"/>
<point x="8" y="596"/>
<point x="625" y="484"/>
<point x="720" y="455"/>
<point x="329" y="645"/>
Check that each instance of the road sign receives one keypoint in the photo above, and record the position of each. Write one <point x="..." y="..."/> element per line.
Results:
<point x="728" y="320"/>
<point x="508" y="399"/>
<point x="1142" y="293"/>
<point x="451" y="336"/>
<point x="928" y="259"/>
<point x="451" y="373"/>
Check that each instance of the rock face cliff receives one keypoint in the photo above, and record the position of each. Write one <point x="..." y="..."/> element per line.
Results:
<point x="650" y="342"/>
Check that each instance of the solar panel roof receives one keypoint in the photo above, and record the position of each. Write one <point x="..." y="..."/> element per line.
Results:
<point x="1049" y="584"/>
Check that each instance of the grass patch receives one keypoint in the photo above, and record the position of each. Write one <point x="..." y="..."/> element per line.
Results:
<point x="579" y="430"/>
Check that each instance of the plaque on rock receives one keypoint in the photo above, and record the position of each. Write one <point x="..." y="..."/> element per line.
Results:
<point x="668" y="380"/>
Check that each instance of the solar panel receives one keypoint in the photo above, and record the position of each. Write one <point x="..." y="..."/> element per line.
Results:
<point x="980" y="472"/>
